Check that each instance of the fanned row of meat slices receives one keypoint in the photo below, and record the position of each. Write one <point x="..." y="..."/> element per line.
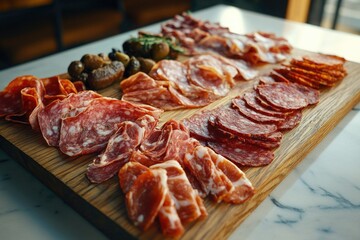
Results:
<point x="194" y="83"/>
<point x="247" y="130"/>
<point x="169" y="174"/>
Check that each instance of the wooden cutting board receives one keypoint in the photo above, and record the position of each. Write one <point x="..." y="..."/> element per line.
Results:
<point x="103" y="204"/>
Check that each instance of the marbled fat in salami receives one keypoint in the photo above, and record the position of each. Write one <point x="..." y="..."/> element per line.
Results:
<point x="282" y="95"/>
<point x="51" y="116"/>
<point x="242" y="154"/>
<point x="90" y="130"/>
<point x="229" y="119"/>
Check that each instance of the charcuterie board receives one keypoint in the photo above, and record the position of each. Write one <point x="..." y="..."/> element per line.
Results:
<point x="103" y="204"/>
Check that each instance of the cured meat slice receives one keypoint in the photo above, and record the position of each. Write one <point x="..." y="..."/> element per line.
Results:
<point x="231" y="120"/>
<point x="170" y="222"/>
<point x="119" y="148"/>
<point x="129" y="173"/>
<point x="156" y="145"/>
<point x="242" y="154"/>
<point x="159" y="97"/>
<point x="209" y="73"/>
<point x="146" y="197"/>
<point x="290" y="121"/>
<point x="50" y="117"/>
<point x="20" y="97"/>
<point x="90" y="130"/>
<point x="243" y="188"/>
<point x="136" y="82"/>
<point x="251" y="100"/>
<point x="339" y="73"/>
<point x="298" y="78"/>
<point x="185" y="197"/>
<point x="253" y="115"/>
<point x="325" y="60"/>
<point x="282" y="95"/>
<point x="312" y="95"/>
<point x="212" y="180"/>
<point x="270" y="142"/>
<point x="169" y="219"/>
<point x="198" y="124"/>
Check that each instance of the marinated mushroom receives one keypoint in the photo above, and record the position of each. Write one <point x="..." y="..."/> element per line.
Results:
<point x="159" y="51"/>
<point x="92" y="62"/>
<point x="105" y="76"/>
<point x="146" y="64"/>
<point x="75" y="69"/>
<point x="133" y="67"/>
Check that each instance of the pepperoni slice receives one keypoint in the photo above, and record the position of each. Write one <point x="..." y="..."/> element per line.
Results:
<point x="282" y="95"/>
<point x="146" y="197"/>
<point x="242" y="154"/>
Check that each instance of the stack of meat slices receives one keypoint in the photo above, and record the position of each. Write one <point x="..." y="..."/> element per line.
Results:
<point x="167" y="175"/>
<point x="249" y="129"/>
<point x="84" y="122"/>
<point x="198" y="36"/>
<point x="315" y="71"/>
<point x="197" y="82"/>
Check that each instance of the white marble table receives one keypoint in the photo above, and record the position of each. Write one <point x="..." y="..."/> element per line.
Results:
<point x="320" y="199"/>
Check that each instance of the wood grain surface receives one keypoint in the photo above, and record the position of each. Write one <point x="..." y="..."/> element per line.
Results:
<point x="103" y="204"/>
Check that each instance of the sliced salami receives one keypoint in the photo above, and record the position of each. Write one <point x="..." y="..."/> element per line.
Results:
<point x="232" y="121"/>
<point x="119" y="148"/>
<point x="90" y="130"/>
<point x="242" y="154"/>
<point x="51" y="116"/>
<point x="290" y="121"/>
<point x="251" y="100"/>
<point x="283" y="95"/>
<point x="240" y="104"/>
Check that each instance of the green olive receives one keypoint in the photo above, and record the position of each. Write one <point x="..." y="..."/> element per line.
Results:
<point x="133" y="66"/>
<point x="122" y="57"/>
<point x="75" y="69"/>
<point x="146" y="64"/>
<point x="159" y="51"/>
<point x="92" y="61"/>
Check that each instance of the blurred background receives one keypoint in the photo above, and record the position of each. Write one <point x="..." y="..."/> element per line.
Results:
<point x="30" y="29"/>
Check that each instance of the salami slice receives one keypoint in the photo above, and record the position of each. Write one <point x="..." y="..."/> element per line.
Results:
<point x="251" y="100"/>
<point x="312" y="95"/>
<point x="242" y="154"/>
<point x="51" y="116"/>
<point x="282" y="95"/>
<point x="90" y="130"/>
<point x="232" y="121"/>
<point x="118" y="150"/>
<point x="253" y="115"/>
<point x="129" y="173"/>
<point x="291" y="121"/>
